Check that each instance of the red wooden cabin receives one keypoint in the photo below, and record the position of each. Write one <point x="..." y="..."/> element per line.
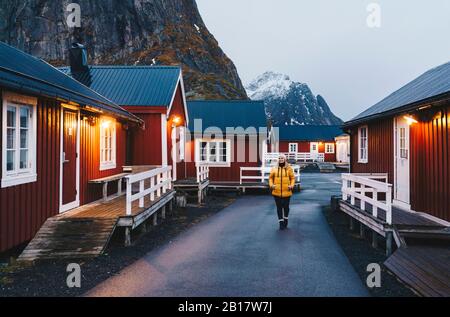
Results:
<point x="156" y="95"/>
<point x="307" y="143"/>
<point x="407" y="136"/>
<point x="227" y="136"/>
<point x="56" y="135"/>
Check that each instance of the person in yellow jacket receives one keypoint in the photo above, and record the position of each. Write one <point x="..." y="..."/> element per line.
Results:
<point x="282" y="182"/>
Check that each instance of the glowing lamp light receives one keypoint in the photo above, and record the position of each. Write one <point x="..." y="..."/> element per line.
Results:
<point x="105" y="124"/>
<point x="176" y="120"/>
<point x="410" y="120"/>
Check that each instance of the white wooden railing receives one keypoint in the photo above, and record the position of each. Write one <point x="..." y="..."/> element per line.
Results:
<point x="262" y="173"/>
<point x="202" y="172"/>
<point x="298" y="157"/>
<point x="153" y="183"/>
<point x="356" y="186"/>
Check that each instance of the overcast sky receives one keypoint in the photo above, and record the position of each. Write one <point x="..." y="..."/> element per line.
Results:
<point x="328" y="44"/>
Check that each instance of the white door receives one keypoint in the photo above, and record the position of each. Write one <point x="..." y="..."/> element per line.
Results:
<point x="314" y="147"/>
<point x="342" y="152"/>
<point x="401" y="163"/>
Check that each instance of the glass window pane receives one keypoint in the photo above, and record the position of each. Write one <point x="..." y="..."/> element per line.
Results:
<point x="11" y="117"/>
<point x="23" y="159"/>
<point x="10" y="159"/>
<point x="23" y="138"/>
<point x="11" y="138"/>
<point x="24" y="115"/>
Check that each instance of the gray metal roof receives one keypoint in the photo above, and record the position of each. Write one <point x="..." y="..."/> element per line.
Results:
<point x="433" y="83"/>
<point x="309" y="132"/>
<point x="23" y="72"/>
<point x="224" y="114"/>
<point x="132" y="85"/>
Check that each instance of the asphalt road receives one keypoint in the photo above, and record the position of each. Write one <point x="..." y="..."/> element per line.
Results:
<point x="241" y="252"/>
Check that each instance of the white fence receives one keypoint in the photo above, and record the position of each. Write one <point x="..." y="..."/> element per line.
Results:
<point x="261" y="174"/>
<point x="202" y="172"/>
<point x="298" y="157"/>
<point x="357" y="186"/>
<point x="157" y="180"/>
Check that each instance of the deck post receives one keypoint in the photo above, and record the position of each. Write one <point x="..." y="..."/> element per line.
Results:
<point x="127" y="236"/>
<point x="155" y="219"/>
<point x="374" y="240"/>
<point x="163" y="212"/>
<point x="171" y="205"/>
<point x="141" y="189"/>
<point x="388" y="243"/>
<point x="361" y="230"/>
<point x="105" y="191"/>
<point x="352" y="224"/>
<point x="199" y="196"/>
<point x="119" y="187"/>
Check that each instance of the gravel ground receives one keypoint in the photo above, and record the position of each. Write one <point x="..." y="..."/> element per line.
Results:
<point x="360" y="253"/>
<point x="48" y="278"/>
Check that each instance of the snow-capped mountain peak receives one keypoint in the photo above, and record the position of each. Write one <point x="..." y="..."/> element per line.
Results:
<point x="269" y="85"/>
<point x="290" y="103"/>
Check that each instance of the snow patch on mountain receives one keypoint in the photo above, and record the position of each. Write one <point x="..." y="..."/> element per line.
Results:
<point x="290" y="103"/>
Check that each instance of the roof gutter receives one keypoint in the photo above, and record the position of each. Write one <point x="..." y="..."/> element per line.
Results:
<point x="431" y="102"/>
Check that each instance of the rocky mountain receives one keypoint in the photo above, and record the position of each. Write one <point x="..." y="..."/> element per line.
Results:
<point x="130" y="32"/>
<point x="290" y="103"/>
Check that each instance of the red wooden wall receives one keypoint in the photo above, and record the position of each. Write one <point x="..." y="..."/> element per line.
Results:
<point x="24" y="208"/>
<point x="304" y="146"/>
<point x="380" y="149"/>
<point x="223" y="174"/>
<point x="430" y="166"/>
<point x="146" y="146"/>
<point x="90" y="159"/>
<point x="177" y="110"/>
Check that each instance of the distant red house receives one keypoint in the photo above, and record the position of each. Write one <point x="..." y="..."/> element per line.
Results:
<point x="211" y="141"/>
<point x="156" y="95"/>
<point x="314" y="143"/>
<point x="56" y="135"/>
<point x="407" y="136"/>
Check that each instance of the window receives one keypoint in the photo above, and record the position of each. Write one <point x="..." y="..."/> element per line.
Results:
<point x="293" y="147"/>
<point x="19" y="140"/>
<point x="107" y="144"/>
<point x="214" y="152"/>
<point x="329" y="148"/>
<point x="403" y="144"/>
<point x="363" y="145"/>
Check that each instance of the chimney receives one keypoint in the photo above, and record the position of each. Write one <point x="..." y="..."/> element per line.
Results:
<point x="78" y="59"/>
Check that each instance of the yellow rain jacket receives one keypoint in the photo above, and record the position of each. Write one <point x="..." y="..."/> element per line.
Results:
<point x="280" y="179"/>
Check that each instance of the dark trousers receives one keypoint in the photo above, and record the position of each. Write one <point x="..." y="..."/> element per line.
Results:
<point x="282" y="207"/>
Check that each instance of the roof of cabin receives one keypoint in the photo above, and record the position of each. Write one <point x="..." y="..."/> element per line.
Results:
<point x="433" y="83"/>
<point x="224" y="114"/>
<point x="26" y="73"/>
<point x="132" y="85"/>
<point x="309" y="132"/>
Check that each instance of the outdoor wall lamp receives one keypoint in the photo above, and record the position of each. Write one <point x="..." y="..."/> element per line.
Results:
<point x="176" y="120"/>
<point x="410" y="120"/>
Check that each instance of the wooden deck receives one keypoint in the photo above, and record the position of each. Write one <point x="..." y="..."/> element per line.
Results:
<point x="425" y="269"/>
<point x="85" y="231"/>
<point x="422" y="258"/>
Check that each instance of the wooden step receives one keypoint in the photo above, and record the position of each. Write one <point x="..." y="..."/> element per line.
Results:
<point x="62" y="238"/>
<point x="424" y="268"/>
<point x="426" y="234"/>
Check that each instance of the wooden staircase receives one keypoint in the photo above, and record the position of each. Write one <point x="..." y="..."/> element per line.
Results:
<point x="62" y="238"/>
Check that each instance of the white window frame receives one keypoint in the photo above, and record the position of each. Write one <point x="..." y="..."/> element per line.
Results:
<point x="215" y="163"/>
<point x="295" y="145"/>
<point x="111" y="163"/>
<point x="363" y="158"/>
<point x="27" y="175"/>
<point x="328" y="151"/>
